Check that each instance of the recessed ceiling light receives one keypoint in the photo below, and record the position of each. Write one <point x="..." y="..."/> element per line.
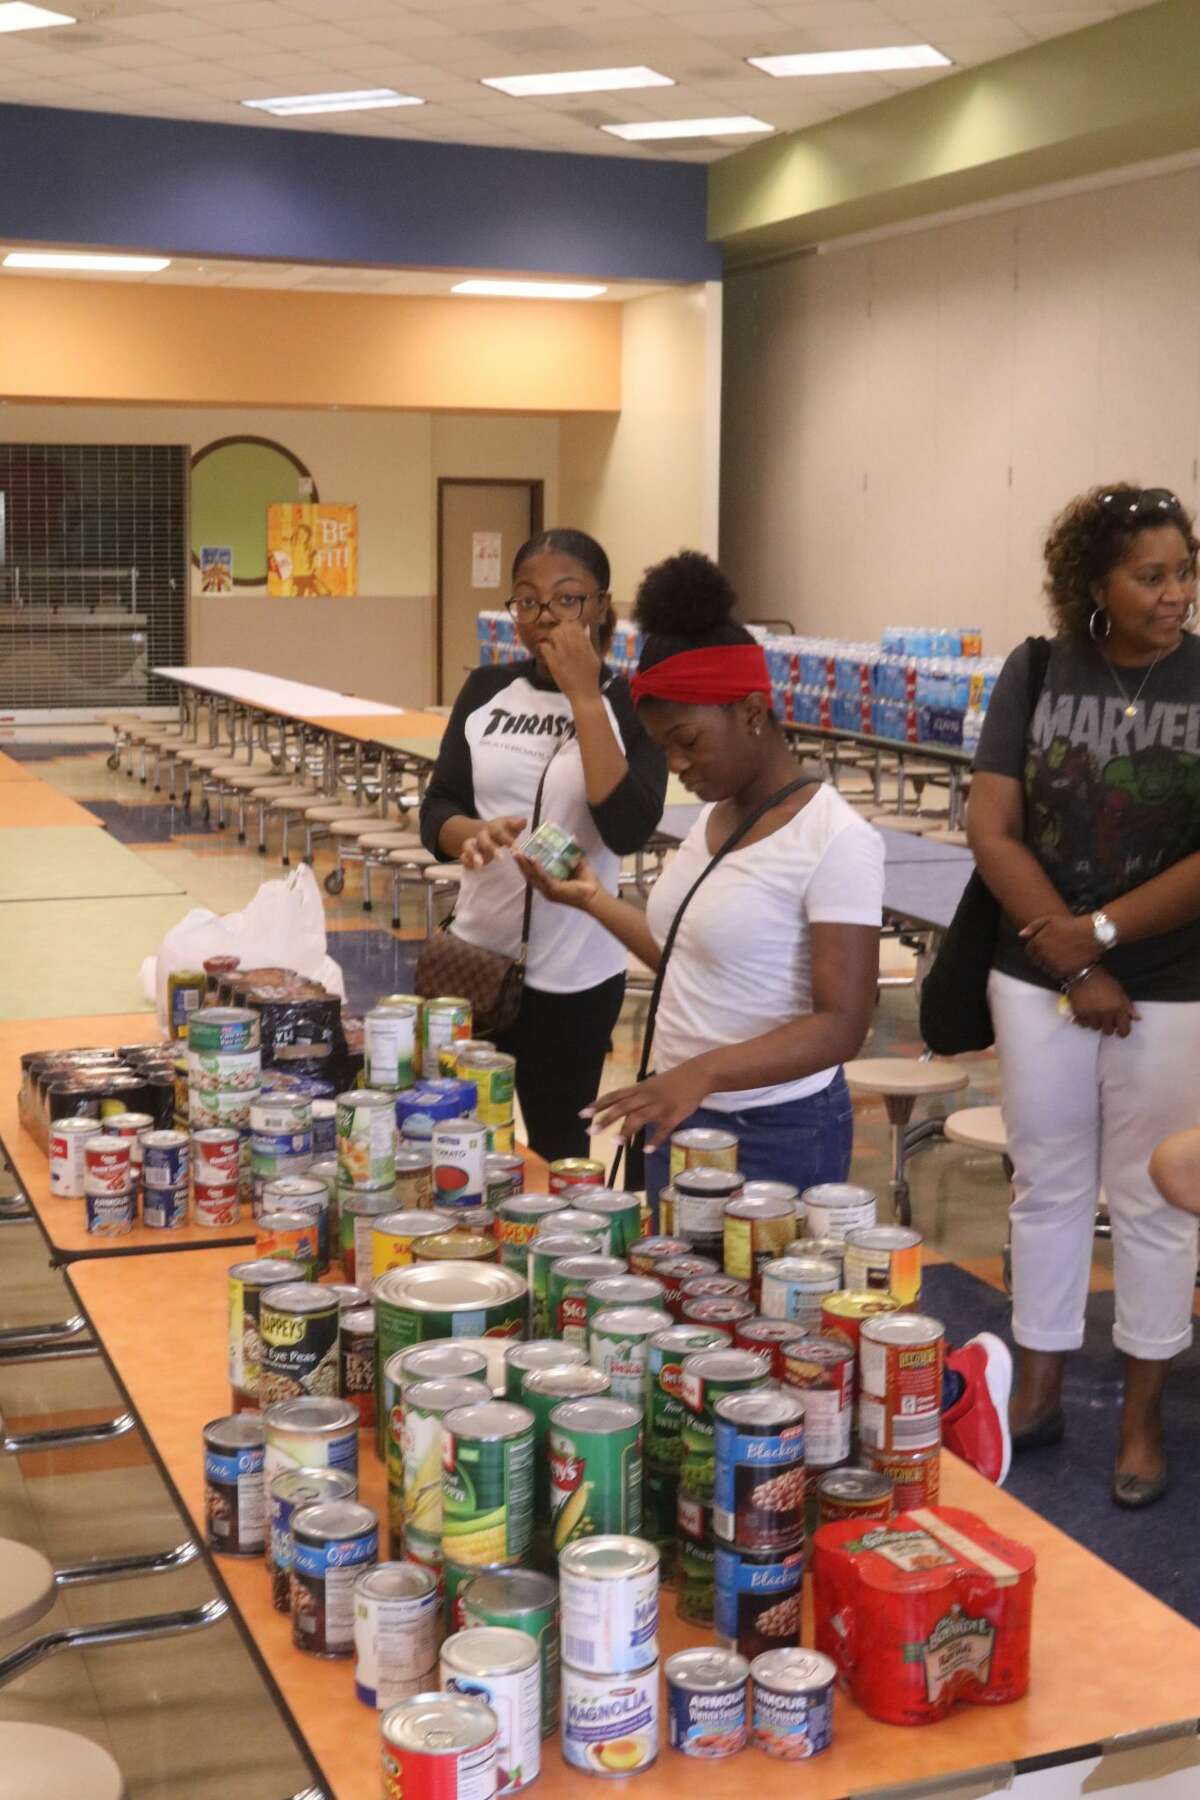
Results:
<point x="853" y="62"/>
<point x="530" y="290"/>
<point x="15" y="15"/>
<point x="357" y="100"/>
<point x="85" y="260"/>
<point x="578" y="81"/>
<point x="741" y="126"/>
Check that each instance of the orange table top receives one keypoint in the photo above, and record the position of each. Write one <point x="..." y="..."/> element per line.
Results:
<point x="375" y="728"/>
<point x="64" y="1222"/>
<point x="1092" y="1626"/>
<point x="24" y="803"/>
<point x="10" y="770"/>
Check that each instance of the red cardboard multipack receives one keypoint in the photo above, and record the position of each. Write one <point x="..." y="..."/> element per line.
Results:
<point x="929" y="1609"/>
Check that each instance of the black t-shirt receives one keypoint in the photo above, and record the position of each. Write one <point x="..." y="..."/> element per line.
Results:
<point x="1110" y="801"/>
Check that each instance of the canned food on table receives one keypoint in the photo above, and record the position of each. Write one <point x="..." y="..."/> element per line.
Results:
<point x="698" y="1202"/>
<point x="389" y="1045"/>
<point x="769" y="1337"/>
<point x="707" y="1702"/>
<point x="333" y="1542"/>
<point x="545" y="1249"/>
<point x="822" y="1369"/>
<point x="487" y="1482"/>
<point x="544" y="1353"/>
<point x="501" y="1666"/>
<point x="595" y="1448"/>
<point x="758" y="1228"/>
<point x="675" y="1272"/>
<point x="793" y="1288"/>
<point x="623" y="1290"/>
<point x="833" y="1208"/>
<point x="915" y="1475"/>
<point x="356" y="1360"/>
<point x="234" y="1502"/>
<point x="414" y="1177"/>
<point x="901" y="1357"/>
<point x="287" y="1491"/>
<point x="542" y="1390"/>
<point x="757" y="1602"/>
<point x="67" y="1165"/>
<point x="707" y="1376"/>
<point x="394" y="1236"/>
<point x="397" y="1612"/>
<point x="439" y="1747"/>
<point x="887" y="1257"/>
<point x="853" y="1494"/>
<point x="618" y="1344"/>
<point x="696" y="1147"/>
<point x="758" y="1494"/>
<point x="792" y="1700"/>
<point x="358" y="1208"/>
<point x="724" y="1311"/>
<point x="447" y="1020"/>
<point x="610" y="1722"/>
<point x="649" y="1250"/>
<point x="842" y="1314"/>
<point x="621" y="1211"/>
<point x="310" y="1434"/>
<point x="415" y="1514"/>
<point x="608" y="1598"/>
<point x="246" y="1283"/>
<point x="366" y="1138"/>
<point x="665" y="1354"/>
<point x="567" y="1282"/>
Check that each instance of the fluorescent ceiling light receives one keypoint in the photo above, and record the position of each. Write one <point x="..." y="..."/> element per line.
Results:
<point x="85" y="261"/>
<point x="686" y="128"/>
<point x="530" y="290"/>
<point x="853" y="62"/>
<point x="15" y="15"/>
<point x="356" y="100"/>
<point x="578" y="81"/>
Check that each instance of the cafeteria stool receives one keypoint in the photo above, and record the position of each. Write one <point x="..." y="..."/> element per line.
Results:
<point x="408" y="865"/>
<point x="958" y="838"/>
<point x="440" y="879"/>
<point x="27" y="1587"/>
<point x="319" y="820"/>
<point x="979" y="1128"/>
<point x="900" y="1081"/>
<point x="912" y="824"/>
<point x="376" y="846"/>
<point x="43" y="1762"/>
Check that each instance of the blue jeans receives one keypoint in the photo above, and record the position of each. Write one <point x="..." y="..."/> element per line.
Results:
<point x="803" y="1141"/>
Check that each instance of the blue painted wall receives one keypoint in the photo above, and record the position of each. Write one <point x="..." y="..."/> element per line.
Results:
<point x="246" y="191"/>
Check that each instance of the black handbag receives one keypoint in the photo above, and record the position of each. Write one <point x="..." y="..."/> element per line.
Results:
<point x="635" y="1153"/>
<point x="954" y="1010"/>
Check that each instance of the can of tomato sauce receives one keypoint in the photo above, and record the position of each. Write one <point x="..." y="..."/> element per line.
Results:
<point x="575" y="1171"/>
<point x="649" y="1250"/>
<point x="900" y="1362"/>
<point x="842" y="1314"/>
<point x="771" y="1336"/>
<point x="822" y="1370"/>
<point x="915" y="1475"/>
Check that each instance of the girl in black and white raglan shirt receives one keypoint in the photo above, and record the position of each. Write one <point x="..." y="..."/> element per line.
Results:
<point x="605" y="786"/>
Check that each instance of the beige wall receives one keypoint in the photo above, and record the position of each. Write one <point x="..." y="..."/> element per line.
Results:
<point x="388" y="463"/>
<point x="644" y="481"/>
<point x="902" y="419"/>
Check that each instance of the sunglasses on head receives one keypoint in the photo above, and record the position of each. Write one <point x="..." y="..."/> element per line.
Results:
<point x="1141" y="503"/>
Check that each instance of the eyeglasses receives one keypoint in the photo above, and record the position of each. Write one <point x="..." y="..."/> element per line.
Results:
<point x="1142" y="503"/>
<point x="526" y="610"/>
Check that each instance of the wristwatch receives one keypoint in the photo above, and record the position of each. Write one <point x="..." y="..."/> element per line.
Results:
<point x="1104" y="930"/>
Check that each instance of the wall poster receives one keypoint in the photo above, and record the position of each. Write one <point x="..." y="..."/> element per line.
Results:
<point x="216" y="569"/>
<point x="312" y="550"/>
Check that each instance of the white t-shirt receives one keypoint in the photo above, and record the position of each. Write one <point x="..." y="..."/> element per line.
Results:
<point x="502" y="734"/>
<point x="742" y="962"/>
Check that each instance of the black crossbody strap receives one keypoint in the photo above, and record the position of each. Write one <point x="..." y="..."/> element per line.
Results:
<point x="731" y="843"/>
<point x="534" y="822"/>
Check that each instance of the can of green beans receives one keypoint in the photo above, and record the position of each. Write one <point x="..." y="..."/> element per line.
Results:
<point x="665" y="1410"/>
<point x="706" y="1377"/>
<point x="544" y="1251"/>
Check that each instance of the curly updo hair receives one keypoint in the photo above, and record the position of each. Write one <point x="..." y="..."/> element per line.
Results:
<point x="686" y="603"/>
<point x="1091" y="535"/>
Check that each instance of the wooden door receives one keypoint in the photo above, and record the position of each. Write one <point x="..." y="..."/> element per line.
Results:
<point x="481" y="525"/>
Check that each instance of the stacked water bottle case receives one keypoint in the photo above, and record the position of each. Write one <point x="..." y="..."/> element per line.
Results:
<point x="918" y="685"/>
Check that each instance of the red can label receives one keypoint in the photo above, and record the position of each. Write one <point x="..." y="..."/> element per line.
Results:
<point x="450" y="1775"/>
<point x="216" y="1203"/>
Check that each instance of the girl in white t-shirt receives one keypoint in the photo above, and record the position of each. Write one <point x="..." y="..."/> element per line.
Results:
<point x="771" y="981"/>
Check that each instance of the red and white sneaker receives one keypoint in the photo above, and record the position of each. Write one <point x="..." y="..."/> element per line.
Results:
<point x="975" y="1426"/>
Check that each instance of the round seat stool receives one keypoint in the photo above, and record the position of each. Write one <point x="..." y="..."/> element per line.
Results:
<point x="389" y="840"/>
<point x="979" y="1128"/>
<point x="900" y="1081"/>
<point x="958" y="838"/>
<point x="27" y="1588"/>
<point x="40" y="1762"/>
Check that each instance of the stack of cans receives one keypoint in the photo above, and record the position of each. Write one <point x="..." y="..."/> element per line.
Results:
<point x="134" y="1126"/>
<point x="224" y="1077"/>
<point x="166" y="1160"/>
<point x="492" y="1075"/>
<point x="216" y="1175"/>
<point x="281" y="1139"/>
<point x="108" y="1185"/>
<point x="437" y="1100"/>
<point x="366" y="1171"/>
<point x="758" y="1520"/>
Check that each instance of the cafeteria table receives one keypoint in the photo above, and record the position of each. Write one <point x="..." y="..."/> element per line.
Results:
<point x="77" y="958"/>
<point x="926" y="894"/>
<point x="63" y="1222"/>
<point x="1108" y="1658"/>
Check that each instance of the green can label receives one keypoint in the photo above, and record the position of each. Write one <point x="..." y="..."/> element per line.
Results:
<point x="625" y="1226"/>
<point x="400" y="1327"/>
<point x="487" y="1497"/>
<point x="665" y="1411"/>
<point x="697" y="1470"/>
<point x="595" y="1482"/>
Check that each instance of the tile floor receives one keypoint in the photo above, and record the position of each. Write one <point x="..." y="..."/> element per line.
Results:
<point x="154" y="1706"/>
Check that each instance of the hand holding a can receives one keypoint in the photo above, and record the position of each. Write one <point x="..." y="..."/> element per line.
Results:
<point x="655" y="1106"/>
<point x="493" y="836"/>
<point x="580" y="891"/>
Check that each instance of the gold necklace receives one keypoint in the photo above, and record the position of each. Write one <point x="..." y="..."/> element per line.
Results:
<point x="1131" y="706"/>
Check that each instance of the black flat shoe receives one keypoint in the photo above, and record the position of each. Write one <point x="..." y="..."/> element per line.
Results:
<point x="1133" y="1491"/>
<point x="1042" y="1434"/>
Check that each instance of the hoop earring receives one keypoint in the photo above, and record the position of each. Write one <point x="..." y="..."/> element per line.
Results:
<point x="1099" y="612"/>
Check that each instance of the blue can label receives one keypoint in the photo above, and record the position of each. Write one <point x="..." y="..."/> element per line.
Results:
<point x="166" y="1208"/>
<point x="417" y="1110"/>
<point x="793" y="1726"/>
<point x="759" y="1487"/>
<point x="706" y="1724"/>
<point x="324" y="1136"/>
<point x="284" y="1143"/>
<point x="229" y="1468"/>
<point x="110" y="1215"/>
<point x="164" y="1166"/>
<point x="335" y="1554"/>
<point x="757" y="1600"/>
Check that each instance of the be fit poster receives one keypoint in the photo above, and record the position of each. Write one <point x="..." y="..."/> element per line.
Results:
<point x="312" y="551"/>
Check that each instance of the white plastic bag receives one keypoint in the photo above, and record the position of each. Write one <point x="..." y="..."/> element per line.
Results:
<point x="283" y="927"/>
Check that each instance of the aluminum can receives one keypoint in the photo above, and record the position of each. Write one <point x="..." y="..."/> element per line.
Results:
<point x="298" y="1324"/>
<point x="492" y="1073"/>
<point x="757" y="1598"/>
<point x="487" y="1482"/>
<point x="621" y="1211"/>
<point x="724" y="1311"/>
<point x="358" y="1208"/>
<point x="758" y="1491"/>
<point x="402" y="1370"/>
<point x="291" y="1236"/>
<point x="223" y="1029"/>
<point x="286" y="1492"/>
<point x="301" y="1193"/>
<point x="234" y="1506"/>
<point x="707" y="1376"/>
<point x="545" y="1249"/>
<point x="665" y="1355"/>
<point x="333" y="1542"/>
<point x="397" y="1612"/>
<point x="67" y="1163"/>
<point x="793" y="1288"/>
<point x="757" y="1229"/>
<point x="311" y="1434"/>
<point x="707" y="1702"/>
<point x="459" y="1156"/>
<point x="439" y="1747"/>
<point x="853" y="1494"/>
<point x="608" y="1596"/>
<point x="700" y="1147"/>
<point x="111" y="1215"/>
<point x="575" y="1171"/>
<point x="393" y="1237"/>
<point x="915" y="1475"/>
<point x="366" y="1138"/>
<point x="542" y="1391"/>
<point x="672" y="1272"/>
<point x="610" y="1722"/>
<point x="526" y="1601"/>
<point x="887" y="1257"/>
<point x="281" y="1115"/>
<point x="842" y="1314"/>
<point x="821" y="1368"/>
<point x="618" y="1345"/>
<point x="518" y="1219"/>
<point x="447" y="1019"/>
<point x="356" y="1361"/>
<point x="501" y="1666"/>
<point x="699" y="1200"/>
<point x="792" y="1702"/>
<point x="833" y="1208"/>
<point x="107" y="1165"/>
<point x="389" y="1042"/>
<point x="649" y="1250"/>
<point x="900" y="1362"/>
<point x="595" y="1448"/>
<point x="246" y="1283"/>
<point x="770" y="1337"/>
<point x="567" y="1284"/>
<point x="324" y="1127"/>
<point x="166" y="1209"/>
<point x="503" y="1175"/>
<point x="544" y="1353"/>
<point x="415" y="1516"/>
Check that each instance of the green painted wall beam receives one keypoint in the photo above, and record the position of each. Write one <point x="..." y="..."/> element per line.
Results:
<point x="1123" y="91"/>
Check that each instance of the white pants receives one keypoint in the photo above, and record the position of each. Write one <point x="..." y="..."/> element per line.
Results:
<point x="1083" y="1111"/>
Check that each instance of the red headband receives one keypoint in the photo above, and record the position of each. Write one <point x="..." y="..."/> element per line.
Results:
<point x="716" y="676"/>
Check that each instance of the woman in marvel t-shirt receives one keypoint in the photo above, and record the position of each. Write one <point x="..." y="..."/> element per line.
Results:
<point x="1085" y="823"/>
